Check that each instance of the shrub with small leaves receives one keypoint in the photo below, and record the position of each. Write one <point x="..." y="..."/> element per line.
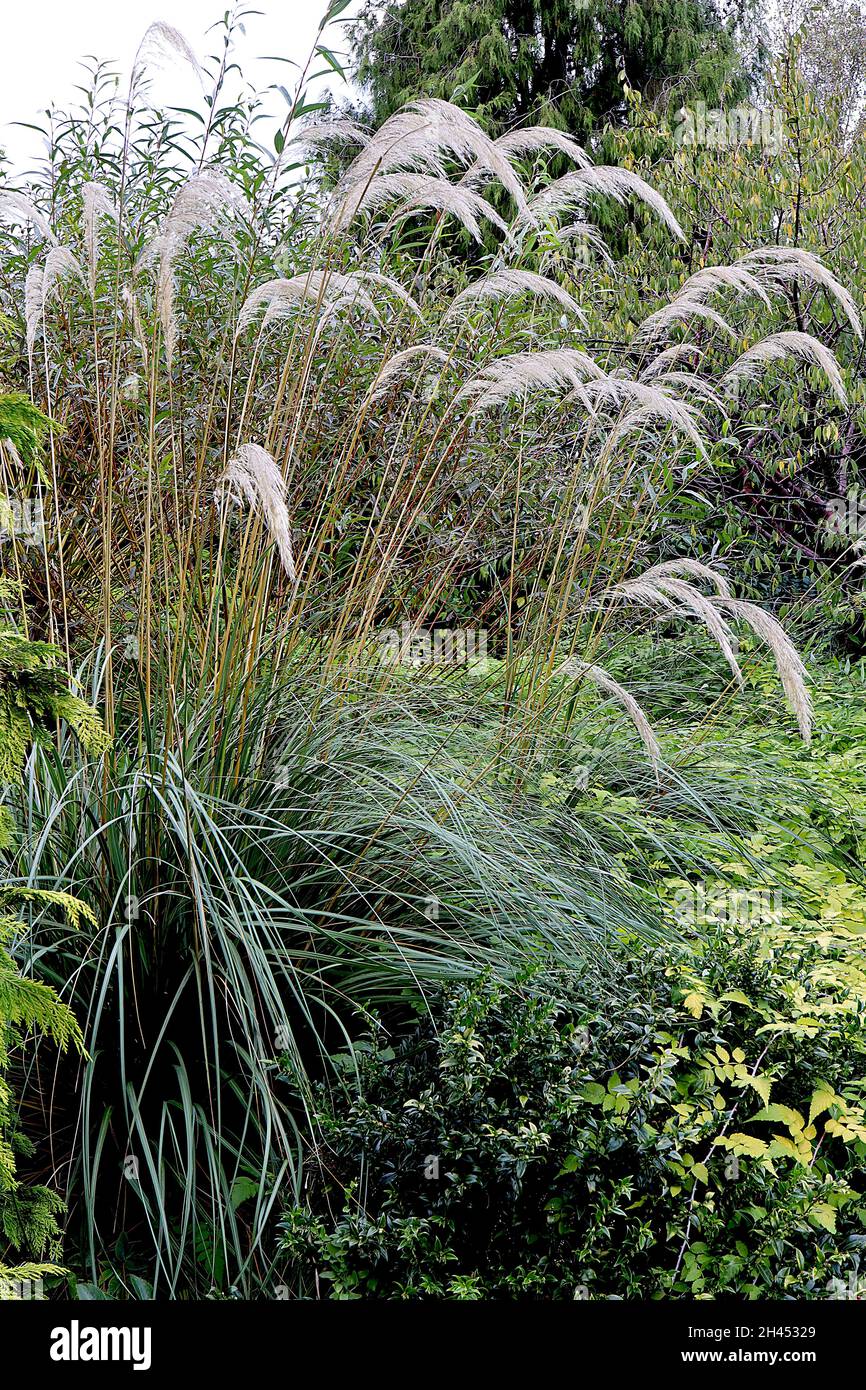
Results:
<point x="517" y="1146"/>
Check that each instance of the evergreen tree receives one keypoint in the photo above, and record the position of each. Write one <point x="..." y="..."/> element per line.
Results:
<point x="555" y="62"/>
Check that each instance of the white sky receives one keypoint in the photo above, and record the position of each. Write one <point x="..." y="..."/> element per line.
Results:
<point x="43" y="40"/>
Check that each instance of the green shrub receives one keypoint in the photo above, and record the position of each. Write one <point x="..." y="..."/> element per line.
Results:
<point x="515" y="1147"/>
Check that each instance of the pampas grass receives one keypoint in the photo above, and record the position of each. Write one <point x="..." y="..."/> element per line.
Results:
<point x="324" y="288"/>
<point x="34" y="298"/>
<point x="652" y="401"/>
<point x="401" y="365"/>
<point x="443" y="459"/>
<point x="21" y="209"/>
<point x="678" y="311"/>
<point x="389" y="284"/>
<point x="415" y="139"/>
<point x="659" y="587"/>
<point x="410" y="166"/>
<point x="514" y="375"/>
<point x="203" y="203"/>
<point x="328" y="290"/>
<point x="686" y="565"/>
<point x="572" y="191"/>
<point x="669" y="357"/>
<point x="332" y="131"/>
<point x="780" y="347"/>
<point x="580" y="670"/>
<point x="785" y="265"/>
<point x="689" y="385"/>
<point x="97" y="203"/>
<point x="677" y="595"/>
<point x="789" y="664"/>
<point x="768" y="267"/>
<point x="129" y="300"/>
<point x="542" y="139"/>
<point x="589" y="235"/>
<point x="41" y="283"/>
<point x="513" y="284"/>
<point x="161" y="41"/>
<point x="216" y="646"/>
<point x="419" y="192"/>
<point x="253" y="473"/>
<point x="714" y="278"/>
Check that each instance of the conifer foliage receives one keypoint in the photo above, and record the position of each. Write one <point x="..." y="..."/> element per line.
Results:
<point x="560" y="62"/>
<point x="33" y="694"/>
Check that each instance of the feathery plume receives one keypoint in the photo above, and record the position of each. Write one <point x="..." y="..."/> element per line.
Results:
<point x="506" y="377"/>
<point x="572" y="191"/>
<point x="783" y="264"/>
<point x="590" y="236"/>
<point x="17" y="206"/>
<point x="12" y="450"/>
<point x="691" y="600"/>
<point x="632" y="422"/>
<point x="462" y="136"/>
<point x="160" y="41"/>
<point x="41" y="283"/>
<point x="580" y="669"/>
<point x="780" y="346"/>
<point x="652" y="401"/>
<point x="332" y="131"/>
<point x="721" y="277"/>
<point x="130" y="302"/>
<point x="510" y="284"/>
<point x="278" y="296"/>
<point x="96" y="202"/>
<point x="669" y="356"/>
<point x="387" y="282"/>
<point x="659" y="587"/>
<point x="691" y="385"/>
<point x="253" y="473"/>
<point x="59" y="262"/>
<point x="33" y="300"/>
<point x="788" y="661"/>
<point x="400" y="365"/>
<point x="415" y="192"/>
<point x="677" y="311"/>
<point x="539" y="139"/>
<point x="203" y="203"/>
<point x="414" y="139"/>
<point x="685" y="565"/>
<point x="329" y="288"/>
